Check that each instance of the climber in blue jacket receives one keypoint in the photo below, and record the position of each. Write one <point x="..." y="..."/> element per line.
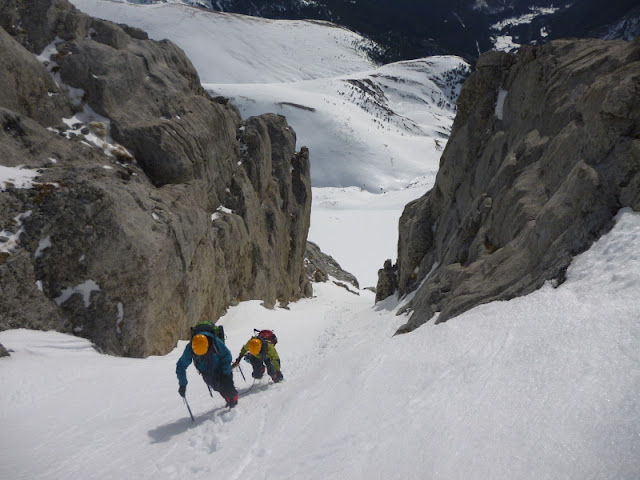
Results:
<point x="212" y="359"/>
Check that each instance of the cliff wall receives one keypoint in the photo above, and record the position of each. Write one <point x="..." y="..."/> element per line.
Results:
<point x="544" y="151"/>
<point x="153" y="206"/>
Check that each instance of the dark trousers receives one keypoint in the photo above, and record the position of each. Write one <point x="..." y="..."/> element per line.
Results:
<point x="222" y="384"/>
<point x="259" y="367"/>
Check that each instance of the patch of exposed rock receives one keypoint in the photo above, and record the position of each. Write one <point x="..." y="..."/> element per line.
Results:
<point x="544" y="151"/>
<point x="3" y="351"/>
<point x="320" y="266"/>
<point x="387" y="281"/>
<point x="159" y="213"/>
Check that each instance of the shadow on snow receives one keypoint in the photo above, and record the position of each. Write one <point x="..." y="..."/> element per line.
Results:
<point x="163" y="433"/>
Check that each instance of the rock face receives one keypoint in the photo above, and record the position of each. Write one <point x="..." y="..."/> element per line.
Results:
<point x="544" y="151"/>
<point x="319" y="266"/>
<point x="387" y="281"/>
<point x="159" y="213"/>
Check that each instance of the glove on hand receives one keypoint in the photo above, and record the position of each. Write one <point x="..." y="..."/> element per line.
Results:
<point x="182" y="390"/>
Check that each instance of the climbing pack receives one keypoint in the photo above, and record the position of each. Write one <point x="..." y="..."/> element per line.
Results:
<point x="210" y="376"/>
<point x="266" y="335"/>
<point x="209" y="326"/>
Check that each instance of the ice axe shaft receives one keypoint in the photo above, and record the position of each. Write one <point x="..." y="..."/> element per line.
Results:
<point x="188" y="408"/>
<point x="237" y="364"/>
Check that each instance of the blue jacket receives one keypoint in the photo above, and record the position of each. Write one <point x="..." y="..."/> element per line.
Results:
<point x="211" y="362"/>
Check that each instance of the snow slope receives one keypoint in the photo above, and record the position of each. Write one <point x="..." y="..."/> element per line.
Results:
<point x="230" y="48"/>
<point x="377" y="129"/>
<point x="380" y="129"/>
<point x="541" y="387"/>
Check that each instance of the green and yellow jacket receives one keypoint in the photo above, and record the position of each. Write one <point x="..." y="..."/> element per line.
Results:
<point x="267" y="351"/>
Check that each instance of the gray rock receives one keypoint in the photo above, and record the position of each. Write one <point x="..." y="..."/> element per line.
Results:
<point x="319" y="266"/>
<point x="26" y="87"/>
<point x="3" y="351"/>
<point x="518" y="195"/>
<point x="387" y="281"/>
<point x="195" y="210"/>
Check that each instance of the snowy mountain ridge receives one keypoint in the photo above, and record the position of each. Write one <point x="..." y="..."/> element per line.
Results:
<point x="407" y="106"/>
<point x="407" y="29"/>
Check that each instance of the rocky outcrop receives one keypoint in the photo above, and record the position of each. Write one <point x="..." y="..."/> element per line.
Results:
<point x="387" y="281"/>
<point x="3" y="351"/>
<point x="320" y="266"/>
<point x="155" y="207"/>
<point x="544" y="151"/>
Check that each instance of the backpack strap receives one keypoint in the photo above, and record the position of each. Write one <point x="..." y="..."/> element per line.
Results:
<point x="214" y="346"/>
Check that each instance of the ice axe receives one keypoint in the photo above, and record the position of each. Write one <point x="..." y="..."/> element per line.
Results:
<point x="237" y="364"/>
<point x="240" y="368"/>
<point x="188" y="408"/>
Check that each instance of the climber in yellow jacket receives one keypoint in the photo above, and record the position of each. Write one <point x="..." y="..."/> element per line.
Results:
<point x="261" y="352"/>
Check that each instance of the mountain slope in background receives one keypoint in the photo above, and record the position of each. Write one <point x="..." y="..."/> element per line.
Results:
<point x="407" y="29"/>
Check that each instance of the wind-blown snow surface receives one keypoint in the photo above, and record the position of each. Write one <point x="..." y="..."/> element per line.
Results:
<point x="545" y="386"/>
<point x="230" y="48"/>
<point x="377" y="130"/>
<point x="380" y="130"/>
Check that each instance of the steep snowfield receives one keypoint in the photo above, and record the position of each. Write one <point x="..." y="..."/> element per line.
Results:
<point x="544" y="386"/>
